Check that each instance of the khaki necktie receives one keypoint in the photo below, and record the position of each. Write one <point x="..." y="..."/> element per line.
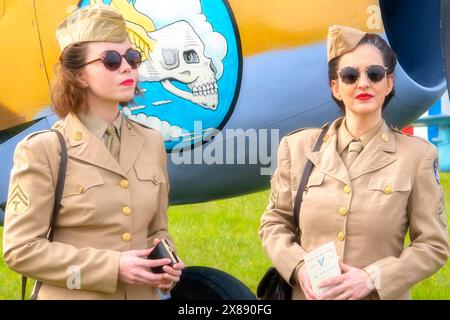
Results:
<point x="354" y="149"/>
<point x="113" y="141"/>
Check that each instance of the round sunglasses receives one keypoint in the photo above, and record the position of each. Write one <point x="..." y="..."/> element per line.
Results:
<point x="112" y="60"/>
<point x="375" y="73"/>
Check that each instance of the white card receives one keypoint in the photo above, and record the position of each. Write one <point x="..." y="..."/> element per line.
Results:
<point x="322" y="263"/>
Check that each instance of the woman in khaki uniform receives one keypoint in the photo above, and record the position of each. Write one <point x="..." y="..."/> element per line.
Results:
<point x="114" y="204"/>
<point x="369" y="186"/>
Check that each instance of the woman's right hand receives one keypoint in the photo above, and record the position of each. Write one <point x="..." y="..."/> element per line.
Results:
<point x="134" y="268"/>
<point x="305" y="284"/>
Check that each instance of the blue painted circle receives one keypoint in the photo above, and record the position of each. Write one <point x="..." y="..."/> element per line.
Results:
<point x="163" y="109"/>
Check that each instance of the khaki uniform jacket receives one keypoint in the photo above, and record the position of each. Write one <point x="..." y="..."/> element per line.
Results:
<point x="106" y="208"/>
<point x="367" y="210"/>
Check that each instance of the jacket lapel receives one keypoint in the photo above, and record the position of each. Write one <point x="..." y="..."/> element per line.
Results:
<point x="327" y="159"/>
<point x="86" y="147"/>
<point x="131" y="146"/>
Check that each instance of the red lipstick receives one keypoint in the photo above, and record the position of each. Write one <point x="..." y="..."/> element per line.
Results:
<point x="364" y="96"/>
<point x="127" y="82"/>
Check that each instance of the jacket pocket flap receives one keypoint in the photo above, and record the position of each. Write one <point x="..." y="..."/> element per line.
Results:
<point x="150" y="172"/>
<point x="389" y="184"/>
<point x="315" y="179"/>
<point x="80" y="182"/>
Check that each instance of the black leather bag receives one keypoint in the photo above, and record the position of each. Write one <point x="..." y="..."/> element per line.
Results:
<point x="273" y="286"/>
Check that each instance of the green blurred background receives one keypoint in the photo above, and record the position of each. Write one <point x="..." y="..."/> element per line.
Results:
<point x="224" y="235"/>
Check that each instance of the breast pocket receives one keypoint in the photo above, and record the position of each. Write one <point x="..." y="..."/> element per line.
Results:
<point x="150" y="173"/>
<point x="153" y="185"/>
<point x="315" y="179"/>
<point x="389" y="192"/>
<point x="81" y="198"/>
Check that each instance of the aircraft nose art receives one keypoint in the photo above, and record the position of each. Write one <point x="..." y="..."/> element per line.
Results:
<point x="191" y="69"/>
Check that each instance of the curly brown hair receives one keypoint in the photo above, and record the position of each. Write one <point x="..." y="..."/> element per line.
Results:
<point x="67" y="94"/>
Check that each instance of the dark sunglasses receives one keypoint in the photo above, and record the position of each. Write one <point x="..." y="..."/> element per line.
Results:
<point x="375" y="73"/>
<point x="112" y="60"/>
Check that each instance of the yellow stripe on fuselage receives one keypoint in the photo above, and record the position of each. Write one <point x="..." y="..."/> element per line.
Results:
<point x="266" y="25"/>
<point x="30" y="49"/>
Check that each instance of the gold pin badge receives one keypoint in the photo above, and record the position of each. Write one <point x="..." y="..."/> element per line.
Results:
<point x="385" y="137"/>
<point x="343" y="211"/>
<point x="126" y="237"/>
<point x="78" y="136"/>
<point x="347" y="189"/>
<point x="123" y="183"/>
<point x="326" y="137"/>
<point x="388" y="189"/>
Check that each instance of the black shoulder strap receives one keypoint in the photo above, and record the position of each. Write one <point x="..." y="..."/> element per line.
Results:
<point x="305" y="177"/>
<point x="58" y="195"/>
<point x="59" y="184"/>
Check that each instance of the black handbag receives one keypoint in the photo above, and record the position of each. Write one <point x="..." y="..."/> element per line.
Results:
<point x="58" y="195"/>
<point x="273" y="286"/>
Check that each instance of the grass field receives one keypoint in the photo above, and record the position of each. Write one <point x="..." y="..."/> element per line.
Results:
<point x="223" y="234"/>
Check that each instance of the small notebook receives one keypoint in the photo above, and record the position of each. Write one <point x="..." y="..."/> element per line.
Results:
<point x="322" y="263"/>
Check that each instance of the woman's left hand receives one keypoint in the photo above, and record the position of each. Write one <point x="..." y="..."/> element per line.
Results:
<point x="172" y="274"/>
<point x="352" y="284"/>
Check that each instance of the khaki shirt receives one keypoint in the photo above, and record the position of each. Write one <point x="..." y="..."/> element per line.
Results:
<point x="107" y="207"/>
<point x="344" y="137"/>
<point x="98" y="127"/>
<point x="392" y="187"/>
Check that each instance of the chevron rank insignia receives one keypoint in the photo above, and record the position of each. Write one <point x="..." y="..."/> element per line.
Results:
<point x="19" y="200"/>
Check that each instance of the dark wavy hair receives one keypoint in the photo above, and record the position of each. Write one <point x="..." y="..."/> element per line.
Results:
<point x="389" y="59"/>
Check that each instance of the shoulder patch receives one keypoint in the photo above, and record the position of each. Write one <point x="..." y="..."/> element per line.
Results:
<point x="18" y="200"/>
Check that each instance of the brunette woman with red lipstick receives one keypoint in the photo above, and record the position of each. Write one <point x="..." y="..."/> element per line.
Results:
<point x="113" y="209"/>
<point x="370" y="184"/>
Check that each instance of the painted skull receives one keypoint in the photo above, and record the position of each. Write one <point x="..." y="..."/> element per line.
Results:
<point x="179" y="54"/>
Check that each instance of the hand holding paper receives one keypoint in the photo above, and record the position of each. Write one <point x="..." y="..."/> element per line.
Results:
<point x="322" y="263"/>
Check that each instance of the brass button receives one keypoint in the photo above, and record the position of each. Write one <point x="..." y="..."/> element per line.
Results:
<point x="385" y="137"/>
<point x="155" y="179"/>
<point x="388" y="189"/>
<point x="126" y="237"/>
<point x="78" y="136"/>
<point x="128" y="126"/>
<point x="124" y="183"/>
<point x="126" y="211"/>
<point x="326" y="137"/>
<point x="80" y="189"/>
<point x="341" y="236"/>
<point x="347" y="189"/>
<point x="343" y="211"/>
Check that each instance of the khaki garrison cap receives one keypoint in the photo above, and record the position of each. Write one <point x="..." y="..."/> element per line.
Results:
<point x="93" y="23"/>
<point x="341" y="40"/>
